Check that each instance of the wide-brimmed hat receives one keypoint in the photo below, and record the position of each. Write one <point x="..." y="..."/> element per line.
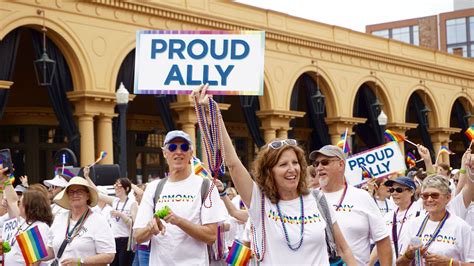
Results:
<point x="57" y="181"/>
<point x="62" y="199"/>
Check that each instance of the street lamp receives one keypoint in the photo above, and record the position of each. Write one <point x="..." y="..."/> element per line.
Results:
<point x="382" y="119"/>
<point x="318" y="99"/>
<point x="122" y="103"/>
<point x="45" y="67"/>
<point x="424" y="115"/>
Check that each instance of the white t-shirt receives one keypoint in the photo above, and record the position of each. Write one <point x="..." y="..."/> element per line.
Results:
<point x="402" y="220"/>
<point x="313" y="250"/>
<point x="95" y="237"/>
<point x="455" y="240"/>
<point x="119" y="227"/>
<point x="105" y="211"/>
<point x="385" y="206"/>
<point x="56" y="209"/>
<point x="176" y="247"/>
<point x="15" y="257"/>
<point x="359" y="219"/>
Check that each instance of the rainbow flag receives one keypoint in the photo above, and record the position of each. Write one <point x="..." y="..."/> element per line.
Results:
<point x="340" y="144"/>
<point x="444" y="149"/>
<point x="470" y="133"/>
<point x="366" y="173"/>
<point x="345" y="148"/>
<point x="199" y="169"/>
<point x="239" y="255"/>
<point x="393" y="136"/>
<point x="32" y="245"/>
<point x="411" y="159"/>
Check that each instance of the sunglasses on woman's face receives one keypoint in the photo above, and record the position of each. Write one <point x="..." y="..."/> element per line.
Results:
<point x="172" y="147"/>
<point x="324" y="162"/>
<point x="434" y="195"/>
<point x="398" y="189"/>
<point x="280" y="143"/>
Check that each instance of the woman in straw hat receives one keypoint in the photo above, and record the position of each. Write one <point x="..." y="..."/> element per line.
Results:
<point x="80" y="236"/>
<point x="31" y="210"/>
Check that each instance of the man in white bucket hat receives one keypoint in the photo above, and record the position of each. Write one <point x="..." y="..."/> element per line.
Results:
<point x="55" y="185"/>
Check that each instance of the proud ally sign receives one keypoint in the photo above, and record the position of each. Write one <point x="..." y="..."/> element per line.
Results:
<point x="380" y="161"/>
<point x="175" y="62"/>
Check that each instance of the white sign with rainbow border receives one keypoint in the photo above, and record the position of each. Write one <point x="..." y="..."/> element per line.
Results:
<point x="175" y="62"/>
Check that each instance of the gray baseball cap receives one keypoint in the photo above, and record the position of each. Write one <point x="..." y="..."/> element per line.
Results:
<point x="177" y="134"/>
<point x="329" y="151"/>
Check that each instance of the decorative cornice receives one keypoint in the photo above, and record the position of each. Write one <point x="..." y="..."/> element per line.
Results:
<point x="444" y="130"/>
<point x="286" y="37"/>
<point x="280" y="114"/>
<point x="94" y="95"/>
<point x="403" y="126"/>
<point x="345" y="120"/>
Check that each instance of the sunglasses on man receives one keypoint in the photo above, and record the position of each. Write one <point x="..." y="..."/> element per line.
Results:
<point x="324" y="162"/>
<point x="172" y="147"/>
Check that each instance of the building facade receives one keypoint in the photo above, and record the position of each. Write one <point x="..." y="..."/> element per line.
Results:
<point x="427" y="94"/>
<point x="451" y="31"/>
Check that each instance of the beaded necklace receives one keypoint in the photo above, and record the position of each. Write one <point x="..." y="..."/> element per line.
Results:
<point x="396" y="235"/>
<point x="212" y="138"/>
<point x="288" y="242"/>
<point x="259" y="254"/>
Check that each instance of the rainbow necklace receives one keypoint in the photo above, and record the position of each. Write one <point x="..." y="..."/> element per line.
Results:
<point x="288" y="242"/>
<point x="211" y="137"/>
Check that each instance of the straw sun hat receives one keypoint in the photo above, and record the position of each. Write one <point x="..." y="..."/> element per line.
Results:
<point x="62" y="199"/>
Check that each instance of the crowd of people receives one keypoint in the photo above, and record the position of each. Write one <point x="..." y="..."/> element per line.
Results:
<point x="290" y="208"/>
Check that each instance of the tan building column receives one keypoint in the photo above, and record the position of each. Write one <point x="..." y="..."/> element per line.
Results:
<point x="86" y="129"/>
<point x="276" y="123"/>
<point x="439" y="137"/>
<point x="401" y="128"/>
<point x="337" y="126"/>
<point x="104" y="140"/>
<point x="5" y="84"/>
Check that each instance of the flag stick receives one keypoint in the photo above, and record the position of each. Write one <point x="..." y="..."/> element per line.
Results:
<point x="410" y="142"/>
<point x="472" y="141"/>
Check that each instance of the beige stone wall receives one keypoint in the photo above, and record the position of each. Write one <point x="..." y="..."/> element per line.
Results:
<point x="96" y="36"/>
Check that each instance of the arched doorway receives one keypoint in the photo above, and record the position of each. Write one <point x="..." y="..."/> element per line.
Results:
<point x="459" y="118"/>
<point x="418" y="110"/>
<point x="37" y="121"/>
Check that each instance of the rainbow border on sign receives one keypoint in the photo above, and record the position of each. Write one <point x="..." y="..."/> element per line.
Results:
<point x="208" y="32"/>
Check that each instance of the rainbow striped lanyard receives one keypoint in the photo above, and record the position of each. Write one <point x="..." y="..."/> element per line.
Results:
<point x="396" y="235"/>
<point x="436" y="231"/>
<point x="342" y="197"/>
<point x="71" y="234"/>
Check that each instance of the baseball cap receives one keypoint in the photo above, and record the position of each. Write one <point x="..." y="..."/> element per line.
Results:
<point x="177" y="134"/>
<point x="402" y="180"/>
<point x="20" y="189"/>
<point x="329" y="151"/>
<point x="57" y="181"/>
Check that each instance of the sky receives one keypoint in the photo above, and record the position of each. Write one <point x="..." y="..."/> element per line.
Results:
<point x="355" y="14"/>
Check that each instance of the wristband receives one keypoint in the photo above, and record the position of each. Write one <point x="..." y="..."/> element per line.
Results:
<point x="79" y="261"/>
<point x="223" y="193"/>
<point x="462" y="171"/>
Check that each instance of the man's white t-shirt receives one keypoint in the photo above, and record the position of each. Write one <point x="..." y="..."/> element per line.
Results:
<point x="95" y="237"/>
<point x="313" y="250"/>
<point x="15" y="257"/>
<point x="402" y="220"/>
<point x="183" y="197"/>
<point x="119" y="227"/>
<point x="360" y="220"/>
<point x="455" y="240"/>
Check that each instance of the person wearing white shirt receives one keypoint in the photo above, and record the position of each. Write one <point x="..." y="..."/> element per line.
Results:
<point x="55" y="185"/>
<point x="360" y="218"/>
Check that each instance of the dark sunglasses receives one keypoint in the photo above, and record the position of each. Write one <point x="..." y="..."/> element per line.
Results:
<point x="398" y="189"/>
<point x="324" y="162"/>
<point x="434" y="195"/>
<point x="172" y="147"/>
<point x="280" y="143"/>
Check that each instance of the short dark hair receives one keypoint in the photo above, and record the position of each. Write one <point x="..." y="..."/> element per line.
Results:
<point x="126" y="184"/>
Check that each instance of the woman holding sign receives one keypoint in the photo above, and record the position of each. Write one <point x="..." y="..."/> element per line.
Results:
<point x="80" y="236"/>
<point x="287" y="225"/>
<point x="439" y="237"/>
<point x="32" y="213"/>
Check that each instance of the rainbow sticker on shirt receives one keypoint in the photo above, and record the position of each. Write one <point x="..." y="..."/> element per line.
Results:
<point x="343" y="207"/>
<point x="451" y="240"/>
<point x="176" y="198"/>
<point x="273" y="215"/>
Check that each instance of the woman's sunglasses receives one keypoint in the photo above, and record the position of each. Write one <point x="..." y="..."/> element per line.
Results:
<point x="434" y="195"/>
<point x="280" y="143"/>
<point x="172" y="147"/>
<point x="398" y="189"/>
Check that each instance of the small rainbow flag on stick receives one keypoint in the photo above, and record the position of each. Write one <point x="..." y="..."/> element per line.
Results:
<point x="102" y="155"/>
<point x="394" y="136"/>
<point x="32" y="245"/>
<point x="239" y="255"/>
<point x="411" y="159"/>
<point x="346" y="148"/>
<point x="444" y="149"/>
<point x="470" y="134"/>
<point x="199" y="169"/>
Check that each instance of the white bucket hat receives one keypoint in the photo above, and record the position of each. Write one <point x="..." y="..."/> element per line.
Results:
<point x="57" y="181"/>
<point x="62" y="199"/>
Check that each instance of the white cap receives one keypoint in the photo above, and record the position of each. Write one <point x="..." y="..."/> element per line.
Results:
<point x="57" y="181"/>
<point x="454" y="171"/>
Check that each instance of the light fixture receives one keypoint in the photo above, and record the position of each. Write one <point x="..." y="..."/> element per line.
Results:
<point x="424" y="113"/>
<point x="122" y="94"/>
<point x="318" y="99"/>
<point x="45" y="67"/>
<point x="382" y="119"/>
